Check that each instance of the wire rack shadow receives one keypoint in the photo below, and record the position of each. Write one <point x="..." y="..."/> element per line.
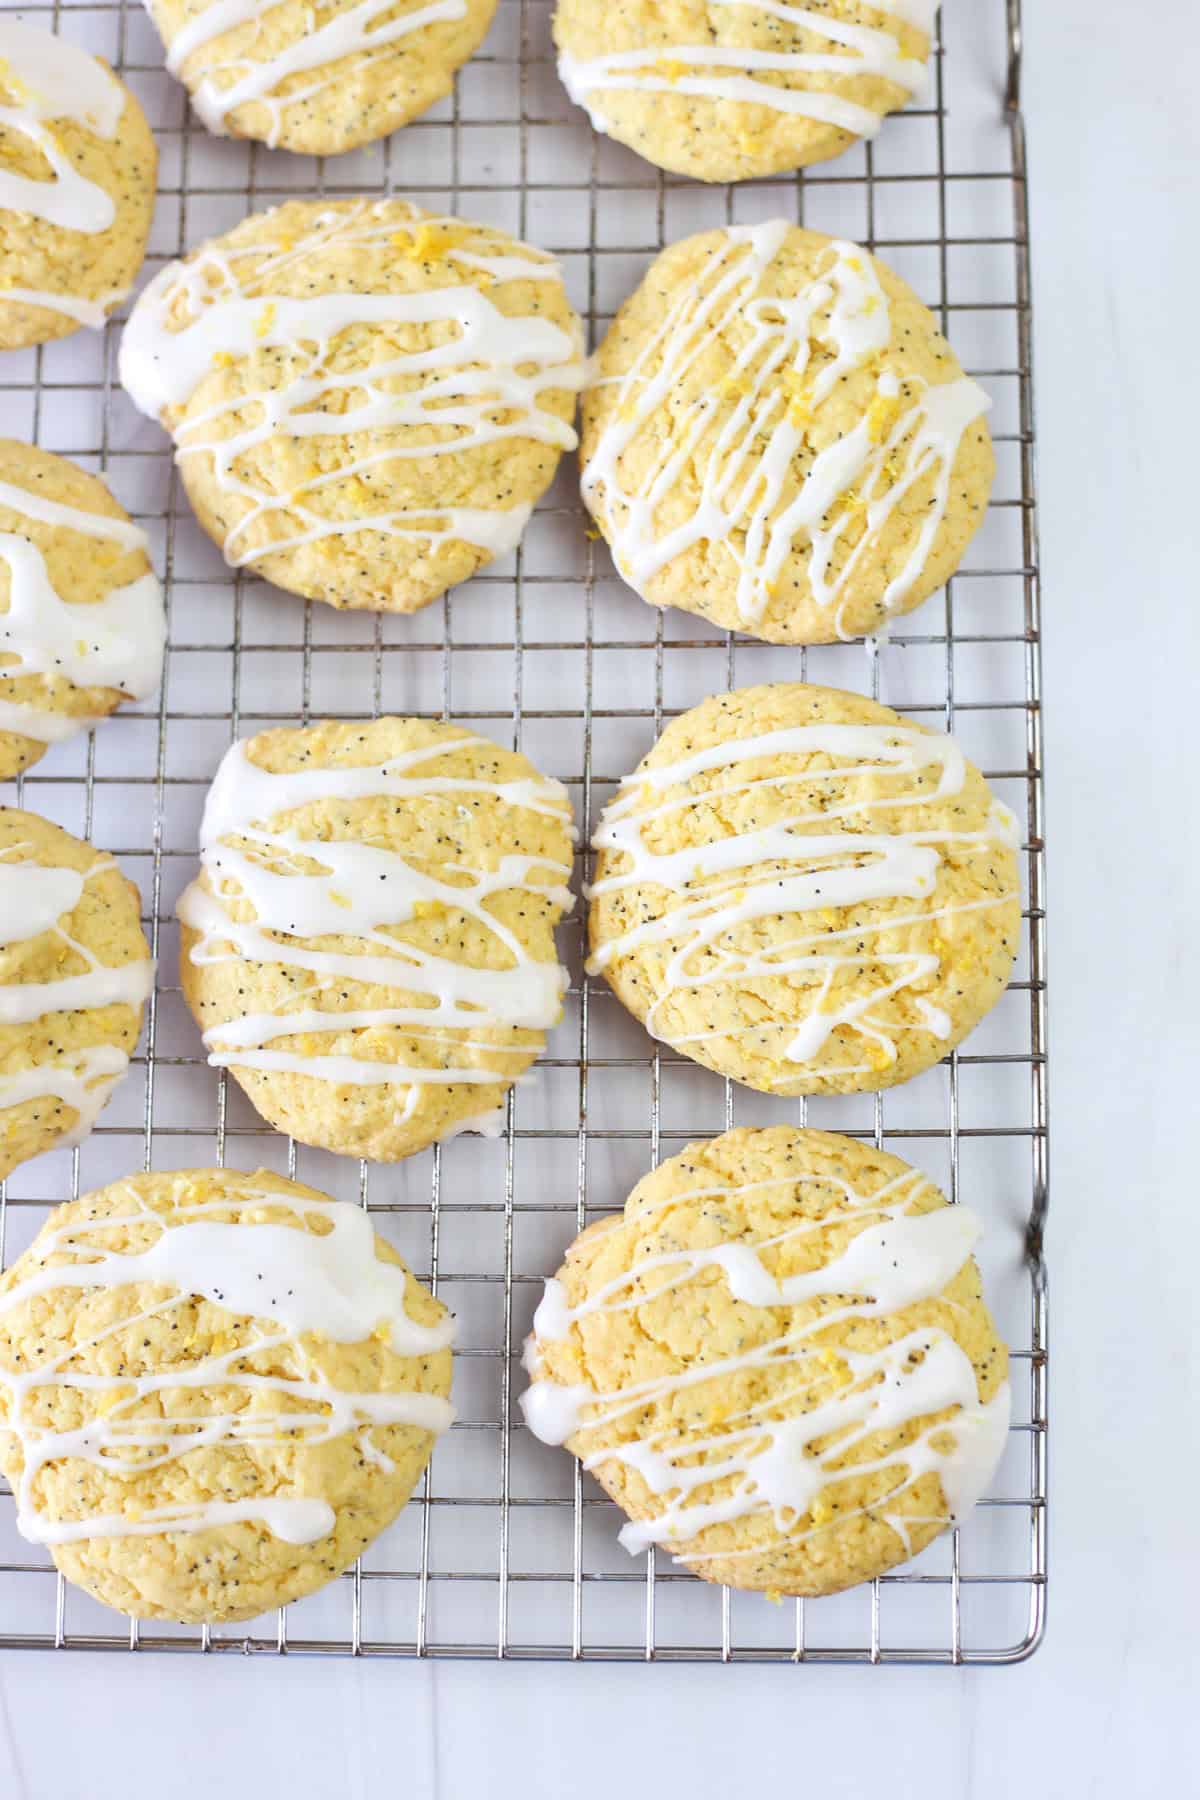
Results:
<point x="505" y="1551"/>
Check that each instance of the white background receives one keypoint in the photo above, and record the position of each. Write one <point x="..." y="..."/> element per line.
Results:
<point x="1115" y="144"/>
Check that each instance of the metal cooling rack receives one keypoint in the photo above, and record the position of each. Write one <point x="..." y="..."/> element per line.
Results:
<point x="505" y="1551"/>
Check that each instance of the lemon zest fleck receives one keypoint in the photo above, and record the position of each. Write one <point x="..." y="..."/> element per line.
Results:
<point x="432" y="241"/>
<point x="881" y="416"/>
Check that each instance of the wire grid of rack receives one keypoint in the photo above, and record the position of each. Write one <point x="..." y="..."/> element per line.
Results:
<point x="505" y="1550"/>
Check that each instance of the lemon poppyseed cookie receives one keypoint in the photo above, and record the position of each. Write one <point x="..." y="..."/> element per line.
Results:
<point x="77" y="172"/>
<point x="369" y="946"/>
<point x="802" y="890"/>
<point x="725" y="89"/>
<point x="319" y="79"/>
<point x="81" y="612"/>
<point x="777" y="1361"/>
<point x="366" y="400"/>
<point x="777" y="437"/>
<point x="216" y="1389"/>
<point x="75" y="973"/>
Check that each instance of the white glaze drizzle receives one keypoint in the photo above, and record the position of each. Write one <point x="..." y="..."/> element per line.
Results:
<point x="899" y="1259"/>
<point x="856" y="51"/>
<point x="366" y="890"/>
<point x="294" y="1281"/>
<point x="115" y="642"/>
<point x="82" y="1079"/>
<point x="800" y="864"/>
<point x="349" y="31"/>
<point x="910" y="430"/>
<point x="35" y="899"/>
<point x="493" y="364"/>
<point x="46" y="728"/>
<point x="55" y="80"/>
<point x="84" y="312"/>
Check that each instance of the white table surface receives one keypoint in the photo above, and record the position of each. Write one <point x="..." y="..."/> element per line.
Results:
<point x="1115" y="146"/>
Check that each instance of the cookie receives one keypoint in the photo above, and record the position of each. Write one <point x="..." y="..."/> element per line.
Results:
<point x="800" y="889"/>
<point x="369" y="947"/>
<point x="75" y="973"/>
<point x="777" y="437"/>
<point x="723" y="90"/>
<point x="317" y="79"/>
<point x="366" y="399"/>
<point x="77" y="174"/>
<point x="777" y="1361"/>
<point x="81" y="612"/>
<point x="216" y="1389"/>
